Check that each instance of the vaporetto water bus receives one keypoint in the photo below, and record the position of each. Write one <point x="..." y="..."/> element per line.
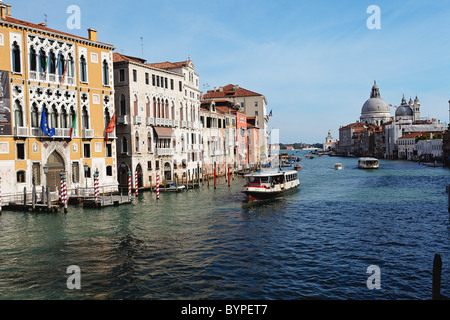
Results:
<point x="268" y="184"/>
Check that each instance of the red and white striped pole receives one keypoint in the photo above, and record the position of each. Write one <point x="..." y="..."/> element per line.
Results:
<point x="157" y="186"/>
<point x="136" y="183"/>
<point x="96" y="186"/>
<point x="129" y="185"/>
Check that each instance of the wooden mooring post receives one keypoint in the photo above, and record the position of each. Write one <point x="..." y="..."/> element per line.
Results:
<point x="437" y="269"/>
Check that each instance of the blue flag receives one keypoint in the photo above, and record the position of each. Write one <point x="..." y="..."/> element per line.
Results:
<point x="44" y="125"/>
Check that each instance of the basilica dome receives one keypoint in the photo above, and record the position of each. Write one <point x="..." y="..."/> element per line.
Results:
<point x="375" y="104"/>
<point x="404" y="110"/>
<point x="375" y="110"/>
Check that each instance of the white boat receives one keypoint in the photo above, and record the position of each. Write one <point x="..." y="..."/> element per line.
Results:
<point x="368" y="163"/>
<point x="338" y="166"/>
<point x="270" y="184"/>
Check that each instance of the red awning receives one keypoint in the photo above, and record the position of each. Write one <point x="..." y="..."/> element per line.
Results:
<point x="163" y="133"/>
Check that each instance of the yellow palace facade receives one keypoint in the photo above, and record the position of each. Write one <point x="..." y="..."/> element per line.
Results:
<point x="55" y="80"/>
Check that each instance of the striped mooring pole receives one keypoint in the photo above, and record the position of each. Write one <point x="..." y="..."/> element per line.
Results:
<point x="96" y="185"/>
<point x="157" y="186"/>
<point x="136" y="183"/>
<point x="63" y="190"/>
<point x="129" y="185"/>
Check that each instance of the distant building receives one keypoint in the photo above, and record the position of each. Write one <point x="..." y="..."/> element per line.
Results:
<point x="252" y="104"/>
<point x="348" y="138"/>
<point x="329" y="144"/>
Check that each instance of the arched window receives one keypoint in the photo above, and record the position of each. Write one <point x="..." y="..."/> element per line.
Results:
<point x="70" y="67"/>
<point x="124" y="145"/>
<point x="52" y="62"/>
<point x="166" y="110"/>
<point x="71" y="116"/>
<point x="149" y="142"/>
<point x="33" y="59"/>
<point x="16" y="65"/>
<point x="20" y="176"/>
<point x="123" y="105"/>
<point x="42" y="61"/>
<point x="85" y="118"/>
<point x="105" y="72"/>
<point x="83" y="70"/>
<point x="136" y="108"/>
<point x="54" y="117"/>
<point x="18" y="114"/>
<point x="173" y="111"/>
<point x="61" y="64"/>
<point x="181" y="111"/>
<point x="154" y="108"/>
<point x="107" y="117"/>
<point x="63" y="118"/>
<point x="136" y="143"/>
<point x="147" y="108"/>
<point x="34" y="116"/>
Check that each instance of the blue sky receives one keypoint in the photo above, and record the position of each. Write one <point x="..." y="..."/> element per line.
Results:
<point x="315" y="61"/>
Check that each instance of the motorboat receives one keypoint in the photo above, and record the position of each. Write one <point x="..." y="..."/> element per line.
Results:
<point x="338" y="166"/>
<point x="268" y="184"/>
<point x="368" y="163"/>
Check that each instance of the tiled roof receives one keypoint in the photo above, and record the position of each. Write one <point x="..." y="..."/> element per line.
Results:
<point x="44" y="28"/>
<point x="117" y="57"/>
<point x="413" y="135"/>
<point x="229" y="90"/>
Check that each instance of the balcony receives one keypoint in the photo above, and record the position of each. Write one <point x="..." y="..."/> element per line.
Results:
<point x="122" y="120"/>
<point x="150" y="121"/>
<point x="88" y="133"/>
<point x="137" y="120"/>
<point x="165" y="151"/>
<point x="183" y="123"/>
<point x="20" y="131"/>
<point x="163" y="122"/>
<point x="61" y="133"/>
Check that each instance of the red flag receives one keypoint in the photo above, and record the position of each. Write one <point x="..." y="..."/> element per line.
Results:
<point x="111" y="126"/>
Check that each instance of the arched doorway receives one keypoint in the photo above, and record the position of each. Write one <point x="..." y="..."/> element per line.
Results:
<point x="139" y="176"/>
<point x="55" y="164"/>
<point x="167" y="171"/>
<point x="123" y="175"/>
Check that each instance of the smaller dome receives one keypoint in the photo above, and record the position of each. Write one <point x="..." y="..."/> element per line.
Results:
<point x="404" y="111"/>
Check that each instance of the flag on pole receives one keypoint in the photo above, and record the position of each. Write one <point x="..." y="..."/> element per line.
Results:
<point x="111" y="126"/>
<point x="74" y="125"/>
<point x="270" y="113"/>
<point x="64" y="73"/>
<point x="44" y="125"/>
<point x="46" y="64"/>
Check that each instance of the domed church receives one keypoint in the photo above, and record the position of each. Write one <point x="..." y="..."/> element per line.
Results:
<point x="375" y="110"/>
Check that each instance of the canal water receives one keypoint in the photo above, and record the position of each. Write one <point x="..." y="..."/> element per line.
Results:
<point x="210" y="244"/>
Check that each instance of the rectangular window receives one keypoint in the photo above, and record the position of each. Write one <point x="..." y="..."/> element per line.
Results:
<point x="149" y="165"/>
<point x="109" y="171"/>
<point x="165" y="83"/>
<point x="87" y="150"/>
<point x="157" y="81"/>
<point x="122" y="75"/>
<point x="75" y="172"/>
<point x="147" y="79"/>
<point x="108" y="150"/>
<point x="20" y="151"/>
<point x="171" y="84"/>
<point x="134" y="75"/>
<point x="180" y="86"/>
<point x="153" y="80"/>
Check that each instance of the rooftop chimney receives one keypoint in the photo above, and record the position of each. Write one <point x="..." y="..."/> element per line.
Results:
<point x="92" y="34"/>
<point x="5" y="10"/>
